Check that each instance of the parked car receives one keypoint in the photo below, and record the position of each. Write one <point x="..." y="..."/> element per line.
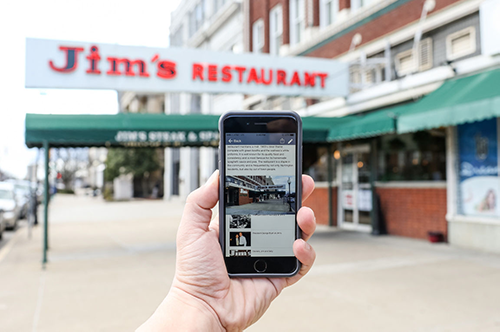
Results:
<point x="9" y="205"/>
<point x="23" y="189"/>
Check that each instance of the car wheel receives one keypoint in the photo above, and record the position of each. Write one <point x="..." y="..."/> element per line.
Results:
<point x="12" y="228"/>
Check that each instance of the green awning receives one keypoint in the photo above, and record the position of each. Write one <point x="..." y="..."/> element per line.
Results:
<point x="365" y="125"/>
<point x="121" y="130"/>
<point x="457" y="101"/>
<point x="138" y="130"/>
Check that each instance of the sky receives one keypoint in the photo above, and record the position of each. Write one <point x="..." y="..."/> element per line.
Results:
<point x="125" y="22"/>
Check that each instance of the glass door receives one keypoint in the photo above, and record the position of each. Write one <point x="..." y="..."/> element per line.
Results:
<point x="355" y="196"/>
<point x="347" y="188"/>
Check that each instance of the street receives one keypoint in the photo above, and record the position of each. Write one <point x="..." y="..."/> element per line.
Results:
<point x="110" y="265"/>
<point x="270" y="206"/>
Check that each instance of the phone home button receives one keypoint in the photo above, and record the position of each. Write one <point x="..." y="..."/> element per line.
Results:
<point x="260" y="266"/>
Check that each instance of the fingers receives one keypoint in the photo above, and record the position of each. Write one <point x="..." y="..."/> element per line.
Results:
<point x="307" y="186"/>
<point x="197" y="212"/>
<point x="306" y="255"/>
<point x="307" y="222"/>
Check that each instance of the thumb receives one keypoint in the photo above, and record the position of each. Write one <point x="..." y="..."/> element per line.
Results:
<point x="199" y="204"/>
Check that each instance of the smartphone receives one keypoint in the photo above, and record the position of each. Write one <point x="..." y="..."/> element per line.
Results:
<point x="260" y="192"/>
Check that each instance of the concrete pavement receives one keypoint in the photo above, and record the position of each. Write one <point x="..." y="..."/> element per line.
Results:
<point x="112" y="263"/>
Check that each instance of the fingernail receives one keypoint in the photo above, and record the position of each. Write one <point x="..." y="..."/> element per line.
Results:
<point x="212" y="177"/>
<point x="307" y="245"/>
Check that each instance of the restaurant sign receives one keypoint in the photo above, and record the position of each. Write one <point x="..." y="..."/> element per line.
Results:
<point x="79" y="65"/>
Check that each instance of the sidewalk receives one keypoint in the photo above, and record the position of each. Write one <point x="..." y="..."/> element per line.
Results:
<point x="112" y="263"/>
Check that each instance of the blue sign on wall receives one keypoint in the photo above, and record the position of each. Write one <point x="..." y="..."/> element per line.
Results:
<point x="478" y="158"/>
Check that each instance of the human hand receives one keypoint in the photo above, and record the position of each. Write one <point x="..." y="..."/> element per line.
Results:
<point x="202" y="296"/>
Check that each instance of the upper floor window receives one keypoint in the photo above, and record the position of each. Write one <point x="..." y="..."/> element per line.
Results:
<point x="218" y="5"/>
<point x="406" y="63"/>
<point x="357" y="4"/>
<point x="297" y="21"/>
<point x="276" y="30"/>
<point x="461" y="43"/>
<point x="328" y="12"/>
<point x="258" y="36"/>
<point x="196" y="18"/>
<point x="176" y="38"/>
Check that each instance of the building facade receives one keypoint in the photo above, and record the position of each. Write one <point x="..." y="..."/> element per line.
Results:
<point x="212" y="25"/>
<point x="405" y="57"/>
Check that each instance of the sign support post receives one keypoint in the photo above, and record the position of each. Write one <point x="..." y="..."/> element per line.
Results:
<point x="46" y="203"/>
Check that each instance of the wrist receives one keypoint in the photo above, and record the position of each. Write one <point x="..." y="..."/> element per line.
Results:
<point x="181" y="311"/>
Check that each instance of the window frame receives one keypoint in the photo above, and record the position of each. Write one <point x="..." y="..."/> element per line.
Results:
<point x="471" y="30"/>
<point x="275" y="29"/>
<point x="323" y="22"/>
<point x="297" y="17"/>
<point x="258" y="45"/>
<point x="415" y="67"/>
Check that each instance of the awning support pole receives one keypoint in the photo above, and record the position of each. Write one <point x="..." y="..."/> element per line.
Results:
<point x="329" y="165"/>
<point x="374" y="214"/>
<point x="46" y="203"/>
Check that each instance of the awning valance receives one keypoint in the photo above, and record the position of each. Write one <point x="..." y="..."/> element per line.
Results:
<point x="139" y="130"/>
<point x="366" y="124"/>
<point x="457" y="101"/>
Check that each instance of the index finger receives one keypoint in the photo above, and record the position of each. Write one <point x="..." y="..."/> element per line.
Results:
<point x="307" y="186"/>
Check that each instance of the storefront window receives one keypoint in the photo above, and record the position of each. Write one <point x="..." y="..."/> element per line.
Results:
<point x="315" y="163"/>
<point x="420" y="156"/>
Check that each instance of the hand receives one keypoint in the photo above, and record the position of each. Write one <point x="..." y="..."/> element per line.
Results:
<point x="202" y="296"/>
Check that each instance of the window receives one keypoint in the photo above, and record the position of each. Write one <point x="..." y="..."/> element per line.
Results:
<point x="176" y="38"/>
<point x="196" y="18"/>
<point x="258" y="36"/>
<point x="276" y="31"/>
<point x="218" y="5"/>
<point x="297" y="21"/>
<point x="175" y="103"/>
<point x="461" y="43"/>
<point x="420" y="156"/>
<point x="315" y="163"/>
<point x="406" y="64"/>
<point x="358" y="4"/>
<point x="195" y="104"/>
<point x="328" y="12"/>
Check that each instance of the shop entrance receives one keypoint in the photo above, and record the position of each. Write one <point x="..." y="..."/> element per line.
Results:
<point x="355" y="199"/>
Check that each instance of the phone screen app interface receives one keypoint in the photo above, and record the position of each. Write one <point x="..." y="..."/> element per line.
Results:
<point x="259" y="194"/>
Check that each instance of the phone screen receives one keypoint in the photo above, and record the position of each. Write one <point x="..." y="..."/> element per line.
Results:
<point x="260" y="193"/>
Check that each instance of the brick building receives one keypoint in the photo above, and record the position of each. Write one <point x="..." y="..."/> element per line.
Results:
<point x="421" y="73"/>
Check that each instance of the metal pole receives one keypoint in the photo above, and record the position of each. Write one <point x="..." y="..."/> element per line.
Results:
<point x="46" y="203"/>
<point x="374" y="214"/>
<point x="329" y="165"/>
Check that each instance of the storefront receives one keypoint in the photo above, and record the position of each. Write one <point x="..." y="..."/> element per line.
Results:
<point x="428" y="168"/>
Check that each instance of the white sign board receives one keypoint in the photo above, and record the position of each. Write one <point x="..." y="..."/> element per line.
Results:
<point x="79" y="65"/>
<point x="490" y="27"/>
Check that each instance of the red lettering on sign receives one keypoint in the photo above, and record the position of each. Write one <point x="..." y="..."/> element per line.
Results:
<point x="115" y="62"/>
<point x="212" y="73"/>
<point x="166" y="69"/>
<point x="226" y="74"/>
<point x="71" y="54"/>
<point x="323" y="76"/>
<point x="197" y="71"/>
<point x="240" y="71"/>
<point x="309" y="79"/>
<point x="252" y="76"/>
<point x="295" y="79"/>
<point x="263" y="79"/>
<point x="280" y="77"/>
<point x="94" y="59"/>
